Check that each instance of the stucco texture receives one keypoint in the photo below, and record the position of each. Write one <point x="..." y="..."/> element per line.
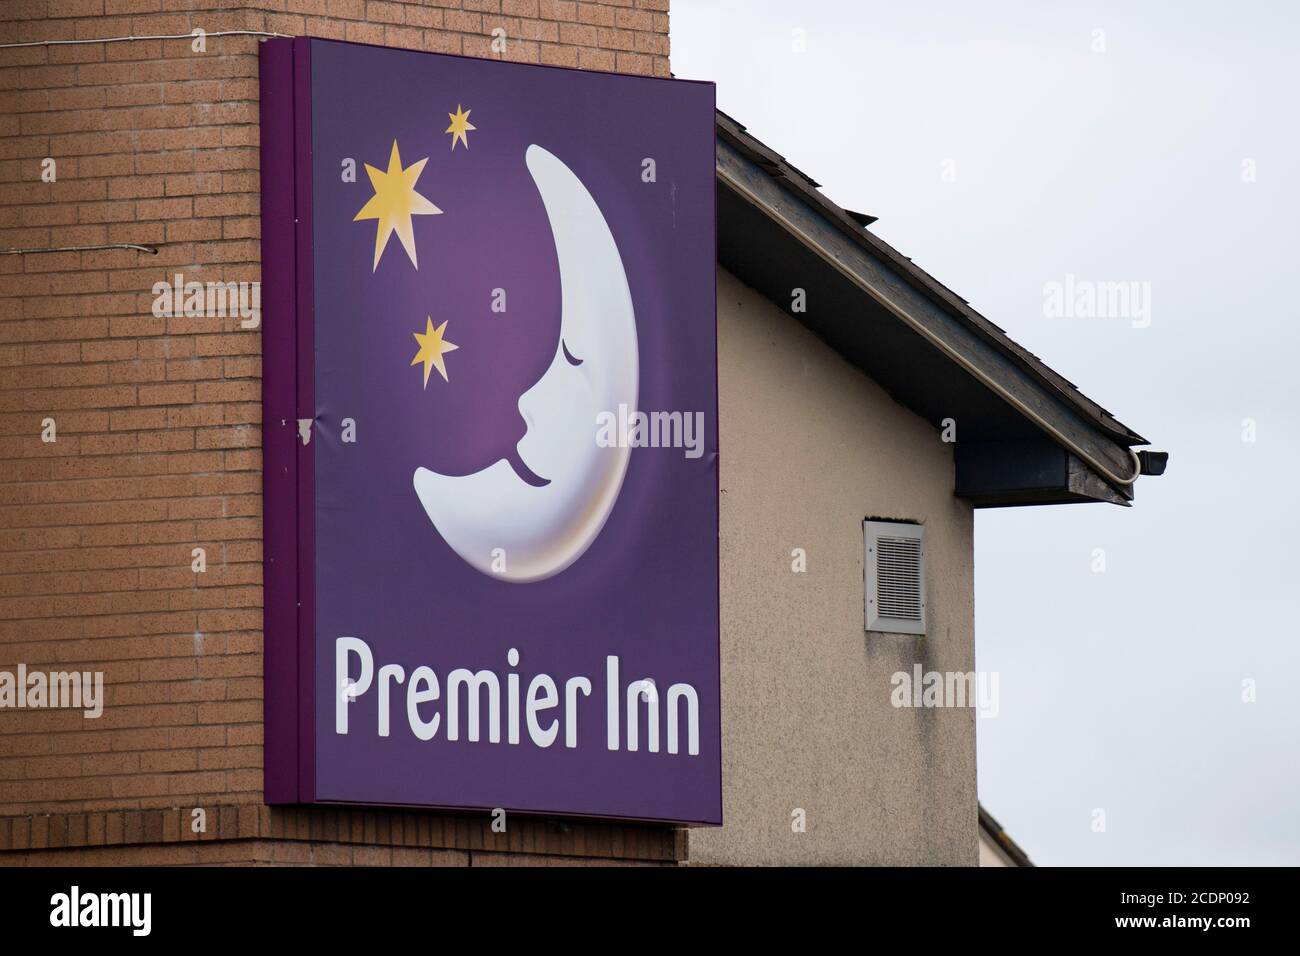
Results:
<point x="809" y="447"/>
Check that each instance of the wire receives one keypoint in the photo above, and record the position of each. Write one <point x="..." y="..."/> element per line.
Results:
<point x="168" y="36"/>
<point x="152" y="250"/>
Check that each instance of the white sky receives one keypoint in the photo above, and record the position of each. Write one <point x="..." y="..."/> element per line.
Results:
<point x="1121" y="690"/>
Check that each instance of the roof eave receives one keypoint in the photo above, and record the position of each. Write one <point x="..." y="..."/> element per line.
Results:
<point x="1097" y="444"/>
<point x="732" y="132"/>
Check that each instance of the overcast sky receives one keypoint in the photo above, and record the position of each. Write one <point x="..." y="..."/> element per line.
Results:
<point x="1002" y="151"/>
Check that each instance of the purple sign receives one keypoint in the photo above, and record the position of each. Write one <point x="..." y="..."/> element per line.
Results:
<point x="490" y="431"/>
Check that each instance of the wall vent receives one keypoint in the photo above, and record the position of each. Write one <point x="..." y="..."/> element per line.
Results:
<point x="895" y="576"/>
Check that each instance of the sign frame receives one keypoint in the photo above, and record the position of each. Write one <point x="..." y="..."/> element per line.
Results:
<point x="291" y="649"/>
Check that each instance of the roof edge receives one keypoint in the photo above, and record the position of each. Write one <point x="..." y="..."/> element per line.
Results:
<point x="1008" y="846"/>
<point x="849" y="224"/>
<point x="813" y="222"/>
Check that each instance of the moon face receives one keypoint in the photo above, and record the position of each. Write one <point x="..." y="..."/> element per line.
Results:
<point x="542" y="529"/>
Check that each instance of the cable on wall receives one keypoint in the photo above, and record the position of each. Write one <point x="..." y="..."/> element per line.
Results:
<point x="168" y="36"/>
<point x="151" y="250"/>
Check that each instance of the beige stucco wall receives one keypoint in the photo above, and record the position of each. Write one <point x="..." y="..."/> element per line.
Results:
<point x="809" y="447"/>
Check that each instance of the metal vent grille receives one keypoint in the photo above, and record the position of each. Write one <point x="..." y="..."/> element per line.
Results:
<point x="895" y="577"/>
<point x="898" y="578"/>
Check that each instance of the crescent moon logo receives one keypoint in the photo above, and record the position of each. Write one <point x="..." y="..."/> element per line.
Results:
<point x="545" y="522"/>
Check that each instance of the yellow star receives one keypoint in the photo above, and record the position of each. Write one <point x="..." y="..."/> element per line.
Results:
<point x="432" y="348"/>
<point x="394" y="203"/>
<point x="460" y="124"/>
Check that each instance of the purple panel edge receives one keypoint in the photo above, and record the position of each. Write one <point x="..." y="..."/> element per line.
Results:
<point x="306" y="402"/>
<point x="717" y="433"/>
<point x="279" y="472"/>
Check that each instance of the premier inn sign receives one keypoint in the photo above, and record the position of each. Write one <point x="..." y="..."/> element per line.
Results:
<point x="490" y="433"/>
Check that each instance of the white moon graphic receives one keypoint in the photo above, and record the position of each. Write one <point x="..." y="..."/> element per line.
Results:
<point x="541" y="530"/>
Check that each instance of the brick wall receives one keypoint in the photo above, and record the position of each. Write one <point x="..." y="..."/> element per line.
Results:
<point x="157" y="420"/>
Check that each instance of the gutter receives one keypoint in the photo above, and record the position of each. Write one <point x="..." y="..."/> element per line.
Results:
<point x="954" y="354"/>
